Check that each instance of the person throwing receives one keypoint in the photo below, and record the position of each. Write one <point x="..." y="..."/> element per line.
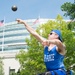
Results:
<point x="54" y="50"/>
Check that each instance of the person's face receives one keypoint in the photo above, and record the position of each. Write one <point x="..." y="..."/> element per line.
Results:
<point x="53" y="35"/>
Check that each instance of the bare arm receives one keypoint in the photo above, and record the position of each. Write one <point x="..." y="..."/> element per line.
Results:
<point x="31" y="30"/>
<point x="60" y="46"/>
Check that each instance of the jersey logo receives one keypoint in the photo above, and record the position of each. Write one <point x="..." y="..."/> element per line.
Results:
<point x="49" y="57"/>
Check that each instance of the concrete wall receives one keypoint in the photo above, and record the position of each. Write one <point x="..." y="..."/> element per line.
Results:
<point x="9" y="62"/>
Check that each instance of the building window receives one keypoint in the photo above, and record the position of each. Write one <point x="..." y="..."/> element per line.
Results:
<point x="11" y="71"/>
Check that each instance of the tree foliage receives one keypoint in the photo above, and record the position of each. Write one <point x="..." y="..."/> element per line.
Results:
<point x="71" y="25"/>
<point x="1" y="67"/>
<point x="69" y="9"/>
<point x="32" y="60"/>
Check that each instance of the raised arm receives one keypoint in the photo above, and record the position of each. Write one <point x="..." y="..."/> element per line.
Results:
<point x="31" y="30"/>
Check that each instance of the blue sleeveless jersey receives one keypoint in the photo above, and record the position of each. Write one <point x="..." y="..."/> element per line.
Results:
<point x="53" y="60"/>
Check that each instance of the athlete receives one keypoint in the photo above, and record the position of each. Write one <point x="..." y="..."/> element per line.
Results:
<point x="54" y="50"/>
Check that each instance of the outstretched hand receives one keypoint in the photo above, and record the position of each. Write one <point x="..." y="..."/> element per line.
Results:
<point x="45" y="43"/>
<point x="20" y="21"/>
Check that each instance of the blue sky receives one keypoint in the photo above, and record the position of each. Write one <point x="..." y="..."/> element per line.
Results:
<point x="31" y="9"/>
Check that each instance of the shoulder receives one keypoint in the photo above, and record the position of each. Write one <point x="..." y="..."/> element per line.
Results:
<point x="62" y="49"/>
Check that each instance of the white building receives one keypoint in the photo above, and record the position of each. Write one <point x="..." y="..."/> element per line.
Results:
<point x="12" y="40"/>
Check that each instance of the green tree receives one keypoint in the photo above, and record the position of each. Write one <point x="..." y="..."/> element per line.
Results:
<point x="69" y="9"/>
<point x="32" y="60"/>
<point x="1" y="67"/>
<point x="71" y="25"/>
